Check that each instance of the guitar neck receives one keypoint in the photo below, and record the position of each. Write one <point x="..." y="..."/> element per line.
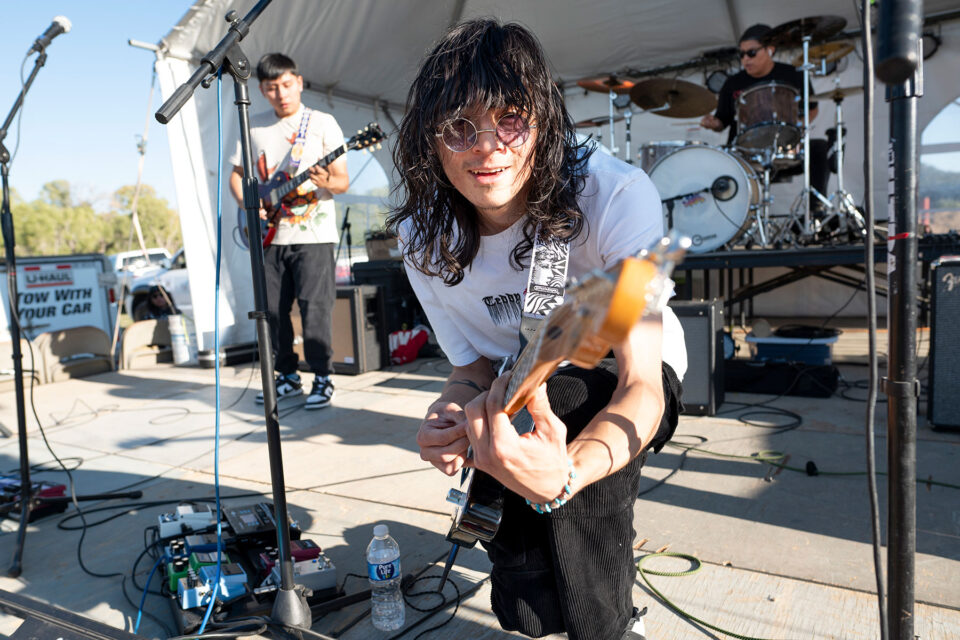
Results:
<point x="298" y="180"/>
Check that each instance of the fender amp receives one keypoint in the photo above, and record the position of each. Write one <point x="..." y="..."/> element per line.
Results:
<point x="702" y="322"/>
<point x="943" y="401"/>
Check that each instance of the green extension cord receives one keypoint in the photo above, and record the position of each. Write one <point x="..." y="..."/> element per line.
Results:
<point x="677" y="574"/>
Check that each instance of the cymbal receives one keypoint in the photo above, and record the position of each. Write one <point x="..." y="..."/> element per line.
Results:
<point x="606" y="84"/>
<point x="599" y="121"/>
<point x="673" y="98"/>
<point x="839" y="93"/>
<point x="828" y="51"/>
<point x="791" y="34"/>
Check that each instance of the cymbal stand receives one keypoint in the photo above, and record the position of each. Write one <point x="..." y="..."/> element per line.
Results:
<point x="613" y="138"/>
<point x="758" y="229"/>
<point x="842" y="204"/>
<point x="627" y="117"/>
<point x="800" y="213"/>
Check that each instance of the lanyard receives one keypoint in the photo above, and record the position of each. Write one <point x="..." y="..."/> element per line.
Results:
<point x="297" y="151"/>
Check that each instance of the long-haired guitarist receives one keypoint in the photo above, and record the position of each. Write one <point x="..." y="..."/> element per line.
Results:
<point x="492" y="173"/>
<point x="299" y="263"/>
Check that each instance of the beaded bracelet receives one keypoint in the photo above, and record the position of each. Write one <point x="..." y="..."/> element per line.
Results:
<point x="559" y="501"/>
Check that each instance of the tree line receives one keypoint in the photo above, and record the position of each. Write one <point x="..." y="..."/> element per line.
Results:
<point x="56" y="223"/>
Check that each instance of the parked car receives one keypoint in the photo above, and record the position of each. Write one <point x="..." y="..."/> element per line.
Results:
<point x="173" y="279"/>
<point x="131" y="265"/>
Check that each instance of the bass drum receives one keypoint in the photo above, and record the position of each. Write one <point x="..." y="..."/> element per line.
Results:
<point x="708" y="194"/>
<point x="651" y="152"/>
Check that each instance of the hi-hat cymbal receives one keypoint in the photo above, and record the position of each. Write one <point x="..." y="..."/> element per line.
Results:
<point x="839" y="93"/>
<point x="599" y="121"/>
<point x="791" y="34"/>
<point x="673" y="98"/>
<point x="606" y="84"/>
<point x="828" y="51"/>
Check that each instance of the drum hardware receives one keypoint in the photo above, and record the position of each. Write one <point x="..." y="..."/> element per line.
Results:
<point x="612" y="86"/>
<point x="842" y="208"/>
<point x="804" y="31"/>
<point x="599" y="122"/>
<point x="673" y="98"/>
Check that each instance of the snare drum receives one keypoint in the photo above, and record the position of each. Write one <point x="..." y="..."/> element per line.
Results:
<point x="651" y="152"/>
<point x="708" y="193"/>
<point x="768" y="118"/>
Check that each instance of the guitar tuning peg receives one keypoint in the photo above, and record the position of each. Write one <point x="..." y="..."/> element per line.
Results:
<point x="379" y="146"/>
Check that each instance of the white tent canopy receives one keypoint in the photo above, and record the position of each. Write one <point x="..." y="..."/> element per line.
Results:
<point x="358" y="58"/>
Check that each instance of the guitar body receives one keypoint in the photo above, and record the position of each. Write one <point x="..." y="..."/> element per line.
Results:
<point x="597" y="312"/>
<point x="279" y="193"/>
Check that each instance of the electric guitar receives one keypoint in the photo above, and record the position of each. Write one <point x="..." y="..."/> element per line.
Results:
<point x="597" y="312"/>
<point x="280" y="193"/>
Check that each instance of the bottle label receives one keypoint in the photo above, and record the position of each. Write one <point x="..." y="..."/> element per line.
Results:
<point x="383" y="571"/>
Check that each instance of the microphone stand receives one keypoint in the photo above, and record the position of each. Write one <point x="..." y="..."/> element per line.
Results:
<point x="290" y="609"/>
<point x="345" y="233"/>
<point x="27" y="500"/>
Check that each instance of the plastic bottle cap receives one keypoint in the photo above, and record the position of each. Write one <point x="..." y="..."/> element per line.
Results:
<point x="381" y="531"/>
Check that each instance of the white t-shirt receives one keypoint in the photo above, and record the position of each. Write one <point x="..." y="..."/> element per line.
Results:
<point x="480" y="316"/>
<point x="272" y="139"/>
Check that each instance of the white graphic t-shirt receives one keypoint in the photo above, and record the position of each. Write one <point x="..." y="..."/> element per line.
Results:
<point x="480" y="316"/>
<point x="312" y="218"/>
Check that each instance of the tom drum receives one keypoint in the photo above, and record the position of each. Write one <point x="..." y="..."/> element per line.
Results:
<point x="768" y="118"/>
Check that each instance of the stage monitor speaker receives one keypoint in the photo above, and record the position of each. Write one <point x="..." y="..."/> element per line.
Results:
<point x="702" y="322"/>
<point x="943" y="401"/>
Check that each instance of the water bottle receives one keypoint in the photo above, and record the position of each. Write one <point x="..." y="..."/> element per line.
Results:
<point x="383" y="568"/>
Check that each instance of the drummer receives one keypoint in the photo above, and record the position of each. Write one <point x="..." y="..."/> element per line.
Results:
<point x="759" y="67"/>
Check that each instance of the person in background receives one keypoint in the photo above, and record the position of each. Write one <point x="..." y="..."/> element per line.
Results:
<point x="158" y="304"/>
<point x="299" y="263"/>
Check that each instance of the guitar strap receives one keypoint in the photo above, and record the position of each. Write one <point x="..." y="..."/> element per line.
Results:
<point x="296" y="152"/>
<point x="545" y="283"/>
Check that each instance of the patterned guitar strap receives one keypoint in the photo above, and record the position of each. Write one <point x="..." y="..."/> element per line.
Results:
<point x="296" y="152"/>
<point x="545" y="285"/>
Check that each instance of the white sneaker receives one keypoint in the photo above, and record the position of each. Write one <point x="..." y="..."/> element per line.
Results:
<point x="288" y="385"/>
<point x="321" y="394"/>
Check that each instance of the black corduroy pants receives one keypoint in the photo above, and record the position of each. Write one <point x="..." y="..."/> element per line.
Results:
<point x="572" y="570"/>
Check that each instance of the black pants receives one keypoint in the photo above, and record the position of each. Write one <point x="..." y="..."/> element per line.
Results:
<point x="305" y="273"/>
<point x="572" y="570"/>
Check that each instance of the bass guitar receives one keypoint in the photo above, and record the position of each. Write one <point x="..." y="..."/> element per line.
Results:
<point x="597" y="312"/>
<point x="279" y="193"/>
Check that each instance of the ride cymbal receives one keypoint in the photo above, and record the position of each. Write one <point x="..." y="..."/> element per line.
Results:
<point x="606" y="84"/>
<point x="673" y="98"/>
<point x="791" y="34"/>
<point x="830" y="52"/>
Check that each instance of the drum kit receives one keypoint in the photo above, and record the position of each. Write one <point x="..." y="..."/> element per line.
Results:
<point x="721" y="196"/>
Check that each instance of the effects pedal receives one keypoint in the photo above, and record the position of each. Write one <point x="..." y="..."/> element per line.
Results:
<point x="186" y="519"/>
<point x="233" y="580"/>
<point x="318" y="574"/>
<point x="191" y="591"/>
<point x="256" y="521"/>
<point x="203" y="542"/>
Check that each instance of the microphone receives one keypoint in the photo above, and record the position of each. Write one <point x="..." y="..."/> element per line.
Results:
<point x="59" y="25"/>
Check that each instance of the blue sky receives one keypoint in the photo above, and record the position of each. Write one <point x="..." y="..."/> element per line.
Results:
<point x="88" y="103"/>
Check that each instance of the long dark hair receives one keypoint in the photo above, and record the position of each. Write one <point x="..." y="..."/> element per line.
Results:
<point x="483" y="63"/>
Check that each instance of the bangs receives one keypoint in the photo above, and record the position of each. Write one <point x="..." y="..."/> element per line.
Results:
<point x="482" y="71"/>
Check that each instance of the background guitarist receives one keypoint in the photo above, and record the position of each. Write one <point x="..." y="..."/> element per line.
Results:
<point x="487" y="153"/>
<point x="299" y="263"/>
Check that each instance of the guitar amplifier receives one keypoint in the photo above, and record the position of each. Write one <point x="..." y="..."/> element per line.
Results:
<point x="702" y="322"/>
<point x="357" y="317"/>
<point x="401" y="308"/>
<point x="943" y="401"/>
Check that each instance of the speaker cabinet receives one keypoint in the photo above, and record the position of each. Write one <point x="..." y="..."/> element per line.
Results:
<point x="702" y="322"/>
<point x="401" y="308"/>
<point x="943" y="401"/>
<point x="357" y="316"/>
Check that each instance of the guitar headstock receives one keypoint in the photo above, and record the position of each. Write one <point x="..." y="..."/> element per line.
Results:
<point x="367" y="137"/>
